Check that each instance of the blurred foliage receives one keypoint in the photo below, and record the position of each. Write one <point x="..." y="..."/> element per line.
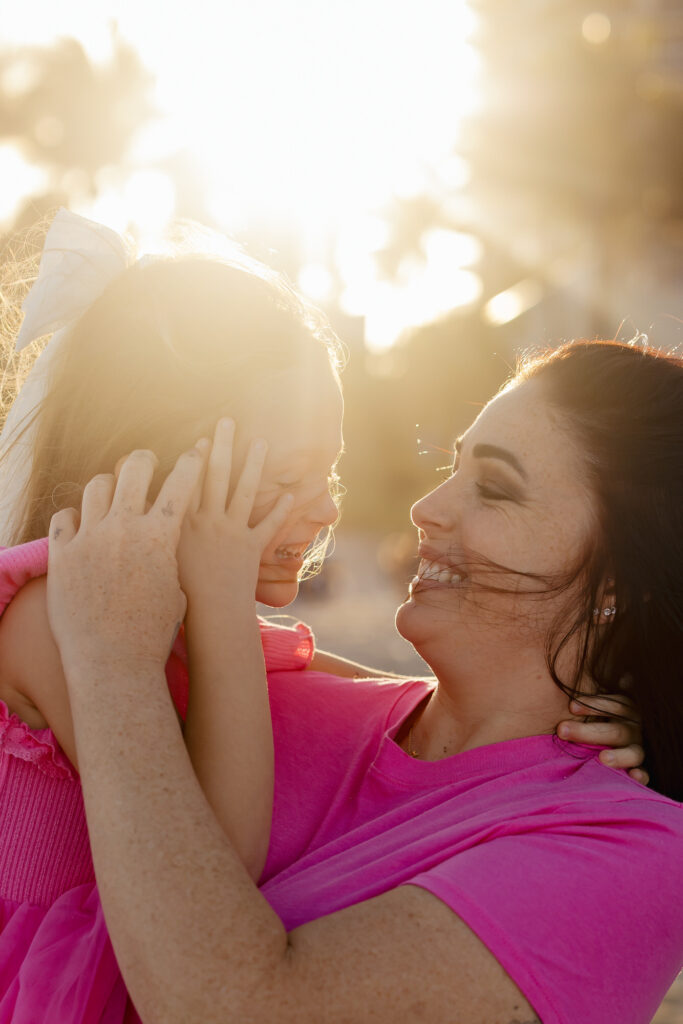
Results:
<point x="577" y="146"/>
<point x="70" y="116"/>
<point x="576" y="150"/>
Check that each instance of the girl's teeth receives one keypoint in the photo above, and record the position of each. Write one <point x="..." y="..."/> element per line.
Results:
<point x="288" y="552"/>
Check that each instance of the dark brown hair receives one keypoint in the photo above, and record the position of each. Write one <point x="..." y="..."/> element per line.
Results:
<point x="624" y="405"/>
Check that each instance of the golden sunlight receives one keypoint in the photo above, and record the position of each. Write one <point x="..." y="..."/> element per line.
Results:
<point x="297" y="120"/>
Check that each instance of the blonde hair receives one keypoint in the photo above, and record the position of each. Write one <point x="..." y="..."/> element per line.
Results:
<point x="169" y="347"/>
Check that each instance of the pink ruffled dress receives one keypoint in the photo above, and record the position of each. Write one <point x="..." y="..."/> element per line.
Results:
<point x="57" y="965"/>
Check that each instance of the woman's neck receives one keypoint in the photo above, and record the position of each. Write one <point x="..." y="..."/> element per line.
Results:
<point x="475" y="706"/>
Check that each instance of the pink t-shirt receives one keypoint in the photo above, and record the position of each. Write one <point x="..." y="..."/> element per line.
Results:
<point x="570" y="872"/>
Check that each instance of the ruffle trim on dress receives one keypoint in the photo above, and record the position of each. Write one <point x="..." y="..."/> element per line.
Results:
<point x="37" y="746"/>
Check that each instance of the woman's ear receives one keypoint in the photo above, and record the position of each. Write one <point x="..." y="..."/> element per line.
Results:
<point x="606" y="607"/>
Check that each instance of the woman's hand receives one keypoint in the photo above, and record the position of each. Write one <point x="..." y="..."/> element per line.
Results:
<point x="112" y="587"/>
<point x="602" y="721"/>
<point x="219" y="551"/>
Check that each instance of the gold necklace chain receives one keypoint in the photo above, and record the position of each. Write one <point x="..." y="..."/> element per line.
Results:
<point x="413" y="753"/>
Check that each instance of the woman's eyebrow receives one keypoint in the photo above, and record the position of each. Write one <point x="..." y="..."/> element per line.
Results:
<point x="492" y="451"/>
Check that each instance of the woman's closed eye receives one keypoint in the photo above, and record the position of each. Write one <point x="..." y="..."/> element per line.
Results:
<point x="492" y="492"/>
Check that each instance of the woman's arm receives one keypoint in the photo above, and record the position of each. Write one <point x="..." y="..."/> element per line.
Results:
<point x="195" y="939"/>
<point x="197" y="942"/>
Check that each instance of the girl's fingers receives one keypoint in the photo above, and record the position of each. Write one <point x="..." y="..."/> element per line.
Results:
<point x="133" y="482"/>
<point x="611" y="733"/>
<point x="203" y="446"/>
<point x="63" y="527"/>
<point x="616" y="706"/>
<point x="270" y="524"/>
<point x="177" y="490"/>
<point x="217" y="478"/>
<point x="97" y="498"/>
<point x="242" y="501"/>
<point x="640" y="775"/>
<point x="631" y="756"/>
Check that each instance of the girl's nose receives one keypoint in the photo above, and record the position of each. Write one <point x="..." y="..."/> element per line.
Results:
<point x="323" y="510"/>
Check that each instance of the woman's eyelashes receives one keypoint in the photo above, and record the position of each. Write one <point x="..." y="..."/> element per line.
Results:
<point x="488" y="490"/>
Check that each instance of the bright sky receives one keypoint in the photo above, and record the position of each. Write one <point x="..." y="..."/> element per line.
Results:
<point x="310" y="114"/>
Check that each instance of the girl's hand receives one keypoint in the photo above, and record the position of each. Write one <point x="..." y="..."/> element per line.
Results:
<point x="607" y="725"/>
<point x="219" y="551"/>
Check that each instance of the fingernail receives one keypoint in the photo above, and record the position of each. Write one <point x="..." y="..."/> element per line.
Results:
<point x="563" y="731"/>
<point x="226" y="423"/>
<point x="607" y="757"/>
<point x="260" y="445"/>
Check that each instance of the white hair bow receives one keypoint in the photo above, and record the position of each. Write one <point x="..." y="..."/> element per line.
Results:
<point x="80" y="259"/>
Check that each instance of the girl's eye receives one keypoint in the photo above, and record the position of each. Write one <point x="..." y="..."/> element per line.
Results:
<point x="289" y="485"/>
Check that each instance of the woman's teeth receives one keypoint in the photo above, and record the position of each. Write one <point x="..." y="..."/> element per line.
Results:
<point x="438" y="573"/>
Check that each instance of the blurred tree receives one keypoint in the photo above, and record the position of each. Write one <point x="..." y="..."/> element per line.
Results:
<point x="70" y="115"/>
<point x="579" y="138"/>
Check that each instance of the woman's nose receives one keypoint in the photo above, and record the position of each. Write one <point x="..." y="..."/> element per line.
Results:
<point x="434" y="511"/>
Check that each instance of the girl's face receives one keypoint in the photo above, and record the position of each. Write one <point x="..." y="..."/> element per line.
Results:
<point x="517" y="496"/>
<point x="299" y="413"/>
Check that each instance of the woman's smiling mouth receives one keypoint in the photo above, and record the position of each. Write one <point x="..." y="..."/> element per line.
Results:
<point x="431" y="573"/>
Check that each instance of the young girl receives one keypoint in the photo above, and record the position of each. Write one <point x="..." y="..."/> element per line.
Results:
<point x="153" y="355"/>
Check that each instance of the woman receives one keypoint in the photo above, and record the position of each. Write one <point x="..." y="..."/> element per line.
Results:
<point x="437" y="854"/>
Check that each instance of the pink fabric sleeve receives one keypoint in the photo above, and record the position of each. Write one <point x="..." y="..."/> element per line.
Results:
<point x="19" y="565"/>
<point x="286" y="647"/>
<point x="558" y="916"/>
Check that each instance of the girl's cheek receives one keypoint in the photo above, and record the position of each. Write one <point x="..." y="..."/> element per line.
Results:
<point x="262" y="506"/>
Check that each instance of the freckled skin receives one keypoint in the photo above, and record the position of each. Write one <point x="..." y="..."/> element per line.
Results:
<point x="486" y="648"/>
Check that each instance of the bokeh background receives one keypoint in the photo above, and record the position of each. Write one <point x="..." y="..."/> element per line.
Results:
<point x="451" y="182"/>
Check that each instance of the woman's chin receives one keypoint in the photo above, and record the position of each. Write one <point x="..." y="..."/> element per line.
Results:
<point x="417" y="624"/>
<point x="405" y="621"/>
<point x="277" y="594"/>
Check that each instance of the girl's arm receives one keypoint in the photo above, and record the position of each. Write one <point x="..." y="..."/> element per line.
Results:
<point x="227" y="730"/>
<point x="32" y="682"/>
<point x="323" y="661"/>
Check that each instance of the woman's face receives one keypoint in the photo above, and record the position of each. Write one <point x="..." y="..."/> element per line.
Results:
<point x="518" y="497"/>
<point x="299" y="413"/>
